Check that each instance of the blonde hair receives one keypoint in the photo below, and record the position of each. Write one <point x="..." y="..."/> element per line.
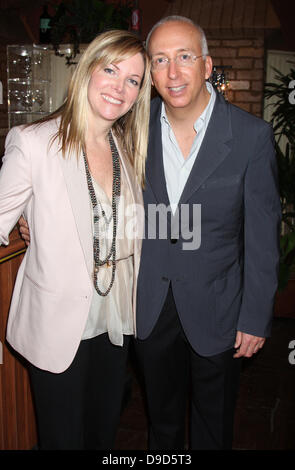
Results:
<point x="131" y="130"/>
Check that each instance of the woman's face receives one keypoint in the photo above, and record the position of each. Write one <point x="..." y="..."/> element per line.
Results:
<point x="113" y="89"/>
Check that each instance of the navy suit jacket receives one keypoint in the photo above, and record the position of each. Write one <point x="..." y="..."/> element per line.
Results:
<point x="229" y="282"/>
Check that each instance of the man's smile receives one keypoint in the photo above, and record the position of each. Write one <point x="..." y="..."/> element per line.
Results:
<point x="178" y="88"/>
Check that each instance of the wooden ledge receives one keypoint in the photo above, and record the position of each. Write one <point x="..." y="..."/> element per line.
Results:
<point x="16" y="246"/>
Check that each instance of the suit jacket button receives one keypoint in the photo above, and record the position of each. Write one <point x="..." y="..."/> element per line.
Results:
<point x="173" y="240"/>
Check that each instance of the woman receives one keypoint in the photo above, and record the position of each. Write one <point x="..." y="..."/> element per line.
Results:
<point x="75" y="175"/>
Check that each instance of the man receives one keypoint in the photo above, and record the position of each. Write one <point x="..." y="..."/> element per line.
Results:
<point x="203" y="306"/>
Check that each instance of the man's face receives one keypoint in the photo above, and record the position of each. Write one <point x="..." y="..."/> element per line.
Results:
<point x="180" y="86"/>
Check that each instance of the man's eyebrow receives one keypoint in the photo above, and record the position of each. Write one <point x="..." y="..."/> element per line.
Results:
<point x="182" y="49"/>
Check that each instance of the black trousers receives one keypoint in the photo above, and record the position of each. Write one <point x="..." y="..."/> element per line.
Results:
<point x="80" y="408"/>
<point x="171" y="369"/>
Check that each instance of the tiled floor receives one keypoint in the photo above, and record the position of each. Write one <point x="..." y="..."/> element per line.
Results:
<point x="265" y="415"/>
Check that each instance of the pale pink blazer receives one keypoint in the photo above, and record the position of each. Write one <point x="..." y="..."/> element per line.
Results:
<point x="53" y="289"/>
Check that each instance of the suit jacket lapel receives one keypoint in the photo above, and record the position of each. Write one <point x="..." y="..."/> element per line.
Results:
<point x="213" y="150"/>
<point x="154" y="166"/>
<point x="75" y="179"/>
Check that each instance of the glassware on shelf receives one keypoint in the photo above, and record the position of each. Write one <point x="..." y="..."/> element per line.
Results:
<point x="19" y="62"/>
<point x="20" y="97"/>
<point x="14" y="97"/>
<point x="29" y="82"/>
<point x="41" y="97"/>
<point x="41" y="63"/>
<point x="27" y="100"/>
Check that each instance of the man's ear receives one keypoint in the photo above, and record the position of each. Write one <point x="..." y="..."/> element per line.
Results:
<point x="208" y="66"/>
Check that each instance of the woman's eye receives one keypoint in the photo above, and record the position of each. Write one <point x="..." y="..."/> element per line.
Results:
<point x="133" y="82"/>
<point x="109" y="70"/>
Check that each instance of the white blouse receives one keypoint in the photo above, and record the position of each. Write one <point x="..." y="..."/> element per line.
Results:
<point x="113" y="313"/>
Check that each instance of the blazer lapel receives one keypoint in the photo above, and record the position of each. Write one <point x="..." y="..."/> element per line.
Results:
<point x="214" y="148"/>
<point x="136" y="193"/>
<point x="130" y="175"/>
<point x="75" y="179"/>
<point x="138" y="213"/>
<point x="154" y="165"/>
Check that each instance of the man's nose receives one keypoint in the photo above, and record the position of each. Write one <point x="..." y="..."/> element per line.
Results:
<point x="172" y="69"/>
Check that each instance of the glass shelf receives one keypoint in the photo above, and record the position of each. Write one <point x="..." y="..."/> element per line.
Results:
<point x="29" y="83"/>
<point x="37" y="80"/>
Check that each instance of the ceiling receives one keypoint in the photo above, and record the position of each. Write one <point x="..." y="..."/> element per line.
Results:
<point x="19" y="18"/>
<point x="17" y="21"/>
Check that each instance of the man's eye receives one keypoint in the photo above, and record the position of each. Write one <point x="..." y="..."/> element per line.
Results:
<point x="161" y="60"/>
<point x="184" y="57"/>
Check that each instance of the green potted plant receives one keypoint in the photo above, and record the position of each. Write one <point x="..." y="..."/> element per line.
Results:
<point x="283" y="120"/>
<point x="79" y="21"/>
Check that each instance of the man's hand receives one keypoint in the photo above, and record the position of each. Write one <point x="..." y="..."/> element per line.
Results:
<point x="247" y="345"/>
<point x="24" y="230"/>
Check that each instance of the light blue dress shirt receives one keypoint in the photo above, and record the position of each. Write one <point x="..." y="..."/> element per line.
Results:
<point x="176" y="167"/>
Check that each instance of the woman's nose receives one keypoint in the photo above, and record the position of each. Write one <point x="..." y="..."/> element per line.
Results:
<point x="118" y="85"/>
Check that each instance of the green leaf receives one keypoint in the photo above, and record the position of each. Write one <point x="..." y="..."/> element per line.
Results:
<point x="287" y="247"/>
<point x="284" y="274"/>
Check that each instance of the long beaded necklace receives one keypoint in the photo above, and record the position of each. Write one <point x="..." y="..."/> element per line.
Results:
<point x="116" y="191"/>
